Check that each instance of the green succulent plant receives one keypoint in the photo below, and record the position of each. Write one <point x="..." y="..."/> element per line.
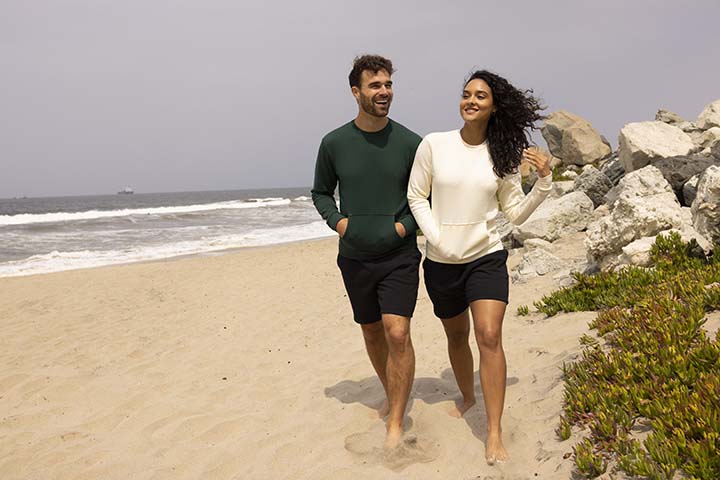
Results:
<point x="654" y="365"/>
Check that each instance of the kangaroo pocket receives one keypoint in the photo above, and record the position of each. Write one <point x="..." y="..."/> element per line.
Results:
<point x="461" y="241"/>
<point x="371" y="233"/>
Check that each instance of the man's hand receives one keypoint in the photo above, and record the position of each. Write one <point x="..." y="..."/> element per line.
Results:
<point x="400" y="229"/>
<point x="341" y="226"/>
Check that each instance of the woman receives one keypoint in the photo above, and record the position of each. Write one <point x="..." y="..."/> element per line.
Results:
<point x="472" y="173"/>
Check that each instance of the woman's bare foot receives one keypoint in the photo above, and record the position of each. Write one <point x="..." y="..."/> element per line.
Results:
<point x="459" y="409"/>
<point x="494" y="450"/>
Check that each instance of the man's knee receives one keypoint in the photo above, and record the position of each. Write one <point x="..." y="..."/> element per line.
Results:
<point x="397" y="335"/>
<point x="373" y="332"/>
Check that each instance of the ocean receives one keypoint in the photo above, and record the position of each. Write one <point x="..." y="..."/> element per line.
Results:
<point x="41" y="235"/>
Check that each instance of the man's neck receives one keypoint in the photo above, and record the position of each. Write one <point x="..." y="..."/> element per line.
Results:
<point x="370" y="123"/>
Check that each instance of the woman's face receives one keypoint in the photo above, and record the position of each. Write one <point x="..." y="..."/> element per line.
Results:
<point x="476" y="104"/>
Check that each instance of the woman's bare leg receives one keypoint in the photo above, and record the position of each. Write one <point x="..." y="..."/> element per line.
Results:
<point x="487" y="320"/>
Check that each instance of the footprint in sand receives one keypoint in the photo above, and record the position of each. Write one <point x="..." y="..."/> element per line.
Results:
<point x="412" y="449"/>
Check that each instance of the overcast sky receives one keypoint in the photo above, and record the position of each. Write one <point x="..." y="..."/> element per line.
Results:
<point x="230" y="94"/>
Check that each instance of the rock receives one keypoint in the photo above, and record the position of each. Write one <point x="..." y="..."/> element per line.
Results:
<point x="570" y="174"/>
<point x="594" y="183"/>
<point x="715" y="150"/>
<point x="690" y="190"/>
<point x="710" y="137"/>
<point x="505" y="230"/>
<point x="573" y="139"/>
<point x="678" y="170"/>
<point x="556" y="217"/>
<point x="536" y="262"/>
<point x="671" y="118"/>
<point x="706" y="206"/>
<point x="533" y="243"/>
<point x="710" y="116"/>
<point x="641" y="205"/>
<point x="562" y="187"/>
<point x="613" y="169"/>
<point x="642" y="142"/>
<point x="600" y="212"/>
<point x="638" y="252"/>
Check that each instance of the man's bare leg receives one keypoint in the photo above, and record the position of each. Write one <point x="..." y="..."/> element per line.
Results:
<point x="457" y="331"/>
<point x="487" y="319"/>
<point x="377" y="349"/>
<point x="400" y="373"/>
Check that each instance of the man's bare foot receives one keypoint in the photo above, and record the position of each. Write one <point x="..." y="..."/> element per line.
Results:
<point x="392" y="439"/>
<point x="494" y="450"/>
<point x="459" y="409"/>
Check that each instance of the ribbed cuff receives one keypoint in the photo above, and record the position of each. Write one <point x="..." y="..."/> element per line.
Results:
<point x="409" y="224"/>
<point x="333" y="220"/>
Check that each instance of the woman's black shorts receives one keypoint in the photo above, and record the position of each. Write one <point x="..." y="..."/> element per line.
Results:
<point x="384" y="285"/>
<point x="452" y="287"/>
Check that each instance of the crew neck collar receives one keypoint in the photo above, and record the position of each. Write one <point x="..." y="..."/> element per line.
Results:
<point x="471" y="147"/>
<point x="382" y="130"/>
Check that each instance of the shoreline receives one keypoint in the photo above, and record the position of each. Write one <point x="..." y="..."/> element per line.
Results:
<point x="214" y="253"/>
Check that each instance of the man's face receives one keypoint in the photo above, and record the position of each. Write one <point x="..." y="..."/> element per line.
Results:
<point x="375" y="93"/>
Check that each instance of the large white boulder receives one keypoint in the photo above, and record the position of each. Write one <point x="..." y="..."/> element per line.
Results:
<point x="573" y="139"/>
<point x="706" y="206"/>
<point x="641" y="205"/>
<point x="557" y="217"/>
<point x="642" y="142"/>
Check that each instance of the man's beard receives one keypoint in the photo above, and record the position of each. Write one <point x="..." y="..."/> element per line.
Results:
<point x="369" y="107"/>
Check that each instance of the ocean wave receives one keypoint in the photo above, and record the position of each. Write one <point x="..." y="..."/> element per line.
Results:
<point x="58" y="261"/>
<point x="302" y="198"/>
<point x="29" y="218"/>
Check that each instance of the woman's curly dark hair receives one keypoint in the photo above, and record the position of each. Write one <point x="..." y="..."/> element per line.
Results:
<point x="508" y="128"/>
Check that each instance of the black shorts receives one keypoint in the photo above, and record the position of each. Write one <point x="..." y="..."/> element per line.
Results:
<point x="452" y="287"/>
<point x="385" y="285"/>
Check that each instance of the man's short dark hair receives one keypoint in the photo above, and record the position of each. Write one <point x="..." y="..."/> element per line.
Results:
<point x="373" y="63"/>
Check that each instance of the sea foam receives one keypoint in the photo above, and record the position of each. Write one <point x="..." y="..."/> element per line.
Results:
<point x="28" y="218"/>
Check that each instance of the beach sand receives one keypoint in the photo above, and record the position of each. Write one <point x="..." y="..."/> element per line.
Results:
<point x="249" y="366"/>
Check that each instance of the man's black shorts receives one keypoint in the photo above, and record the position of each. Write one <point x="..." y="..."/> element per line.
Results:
<point x="385" y="285"/>
<point x="452" y="287"/>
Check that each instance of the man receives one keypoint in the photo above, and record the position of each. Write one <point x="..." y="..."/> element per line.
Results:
<point x="370" y="158"/>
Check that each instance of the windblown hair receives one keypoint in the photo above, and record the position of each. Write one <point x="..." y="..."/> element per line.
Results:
<point x="373" y="63"/>
<point x="510" y="125"/>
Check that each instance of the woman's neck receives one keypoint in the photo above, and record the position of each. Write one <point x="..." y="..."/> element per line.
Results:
<point x="473" y="133"/>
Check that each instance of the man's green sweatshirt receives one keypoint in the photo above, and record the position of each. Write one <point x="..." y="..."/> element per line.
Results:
<point x="372" y="170"/>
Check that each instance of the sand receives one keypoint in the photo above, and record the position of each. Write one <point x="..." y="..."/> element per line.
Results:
<point x="248" y="366"/>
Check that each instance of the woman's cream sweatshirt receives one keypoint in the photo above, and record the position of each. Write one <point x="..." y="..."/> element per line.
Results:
<point x="466" y="197"/>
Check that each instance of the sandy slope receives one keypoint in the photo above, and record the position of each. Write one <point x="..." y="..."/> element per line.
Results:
<point x="248" y="366"/>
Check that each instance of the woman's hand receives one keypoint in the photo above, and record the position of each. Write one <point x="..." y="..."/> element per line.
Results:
<point x="538" y="159"/>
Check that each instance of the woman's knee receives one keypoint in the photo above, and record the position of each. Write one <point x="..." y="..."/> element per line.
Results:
<point x="489" y="338"/>
<point x="457" y="338"/>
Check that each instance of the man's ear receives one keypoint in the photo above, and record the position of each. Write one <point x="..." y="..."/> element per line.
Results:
<point x="356" y="92"/>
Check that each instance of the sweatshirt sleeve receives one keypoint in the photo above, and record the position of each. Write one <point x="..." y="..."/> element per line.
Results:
<point x="419" y="190"/>
<point x="323" y="191"/>
<point x="517" y="206"/>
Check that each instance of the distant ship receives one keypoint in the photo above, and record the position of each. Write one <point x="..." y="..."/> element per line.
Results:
<point x="126" y="191"/>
